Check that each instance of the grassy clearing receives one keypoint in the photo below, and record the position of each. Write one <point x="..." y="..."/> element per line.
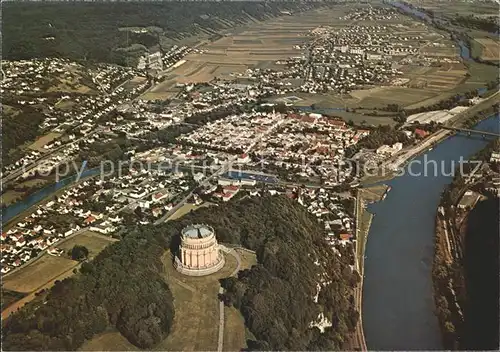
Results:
<point x="33" y="295"/>
<point x="186" y="208"/>
<point x="108" y="341"/>
<point x="382" y="96"/>
<point x="235" y="334"/>
<point x="489" y="49"/>
<point x="49" y="268"/>
<point x="15" y="195"/>
<point x="43" y="140"/>
<point x="481" y="73"/>
<point x="365" y="196"/>
<point x="38" y="273"/>
<point x="234" y="331"/>
<point x="33" y="182"/>
<point x="10" y="111"/>
<point x="11" y="197"/>
<point x="196" y="322"/>
<point x="369" y="180"/>
<point x="248" y="259"/>
<point x="358" y="119"/>
<point x="94" y="242"/>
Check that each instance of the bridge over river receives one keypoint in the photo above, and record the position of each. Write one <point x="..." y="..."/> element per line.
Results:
<point x="470" y="131"/>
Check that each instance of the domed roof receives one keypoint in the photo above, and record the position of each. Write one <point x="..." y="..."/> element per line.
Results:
<point x="197" y="231"/>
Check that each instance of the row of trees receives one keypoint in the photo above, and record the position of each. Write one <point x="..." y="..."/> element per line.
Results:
<point x="379" y="136"/>
<point x="473" y="120"/>
<point x="487" y="24"/>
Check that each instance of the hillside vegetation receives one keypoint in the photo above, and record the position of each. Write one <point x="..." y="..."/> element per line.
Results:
<point x="466" y="290"/>
<point x="104" y="31"/>
<point x="124" y="287"/>
<point x="276" y="296"/>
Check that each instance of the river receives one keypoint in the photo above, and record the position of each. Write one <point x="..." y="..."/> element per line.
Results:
<point x="17" y="208"/>
<point x="398" y="306"/>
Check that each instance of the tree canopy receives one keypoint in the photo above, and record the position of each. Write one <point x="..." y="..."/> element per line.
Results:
<point x="79" y="252"/>
<point x="124" y="287"/>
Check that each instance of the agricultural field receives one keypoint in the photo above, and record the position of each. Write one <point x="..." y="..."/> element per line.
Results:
<point x="382" y="96"/>
<point x="490" y="49"/>
<point x="460" y="7"/>
<point x="445" y="77"/>
<point x="262" y="45"/>
<point x="44" y="271"/>
<point x="256" y="45"/>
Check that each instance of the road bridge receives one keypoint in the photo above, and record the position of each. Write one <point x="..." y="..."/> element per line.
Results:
<point x="470" y="131"/>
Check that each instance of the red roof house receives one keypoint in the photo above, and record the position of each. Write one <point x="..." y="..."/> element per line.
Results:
<point x="421" y="133"/>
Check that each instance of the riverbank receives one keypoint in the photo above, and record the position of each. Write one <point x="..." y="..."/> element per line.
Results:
<point x="10" y="222"/>
<point x="363" y="223"/>
<point x="452" y="257"/>
<point x="465" y="277"/>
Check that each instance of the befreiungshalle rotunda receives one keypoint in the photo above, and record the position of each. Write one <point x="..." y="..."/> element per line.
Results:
<point x="199" y="253"/>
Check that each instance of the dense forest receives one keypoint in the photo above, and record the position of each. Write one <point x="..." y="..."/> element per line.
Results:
<point x="276" y="295"/>
<point x="17" y="129"/>
<point x="124" y="286"/>
<point x="99" y="30"/>
<point x="487" y="24"/>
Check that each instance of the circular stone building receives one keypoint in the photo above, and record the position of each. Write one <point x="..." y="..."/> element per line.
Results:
<point x="199" y="254"/>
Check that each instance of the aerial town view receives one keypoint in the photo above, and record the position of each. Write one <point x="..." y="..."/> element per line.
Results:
<point x="250" y="175"/>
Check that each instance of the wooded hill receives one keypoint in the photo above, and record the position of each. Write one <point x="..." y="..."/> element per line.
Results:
<point x="276" y="295"/>
<point x="100" y="31"/>
<point x="124" y="286"/>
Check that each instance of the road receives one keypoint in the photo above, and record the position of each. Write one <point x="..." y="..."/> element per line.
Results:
<point x="11" y="176"/>
<point x="359" y="335"/>
<point x="14" y="307"/>
<point x="398" y="161"/>
<point x="456" y="121"/>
